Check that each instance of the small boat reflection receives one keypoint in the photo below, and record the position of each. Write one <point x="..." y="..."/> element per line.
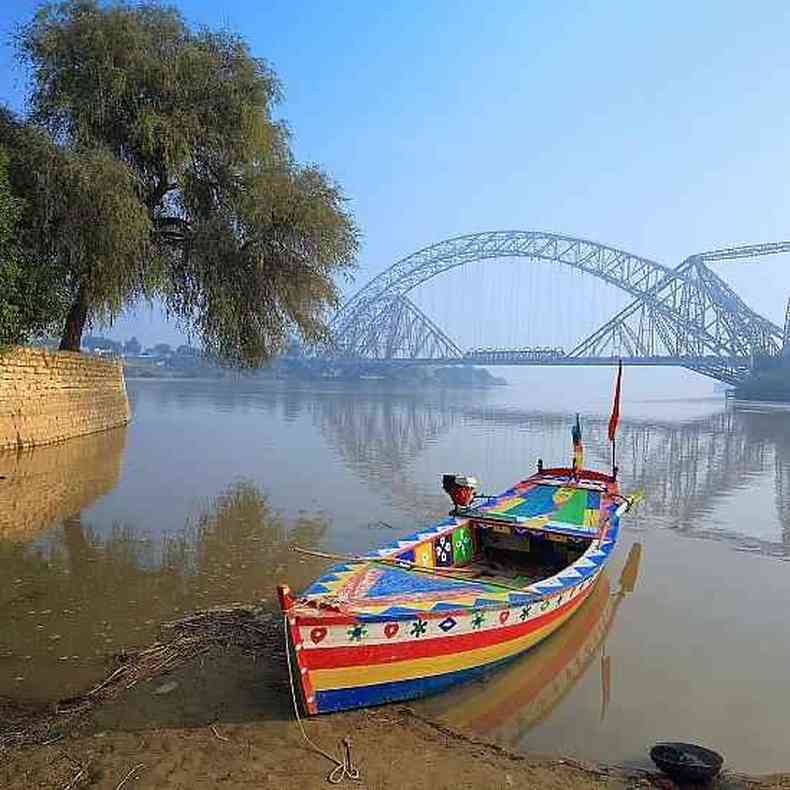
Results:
<point x="511" y="701"/>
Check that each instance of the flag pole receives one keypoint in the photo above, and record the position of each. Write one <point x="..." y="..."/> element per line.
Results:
<point x="614" y="457"/>
<point x="614" y="420"/>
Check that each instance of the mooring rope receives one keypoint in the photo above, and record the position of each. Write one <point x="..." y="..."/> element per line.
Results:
<point x="344" y="768"/>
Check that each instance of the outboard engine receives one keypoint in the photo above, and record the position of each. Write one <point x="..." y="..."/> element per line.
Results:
<point x="460" y="488"/>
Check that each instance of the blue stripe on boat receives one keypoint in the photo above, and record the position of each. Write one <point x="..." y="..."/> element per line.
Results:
<point x="381" y="693"/>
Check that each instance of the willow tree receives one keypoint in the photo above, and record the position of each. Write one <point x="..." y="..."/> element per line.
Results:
<point x="181" y="183"/>
<point x="28" y="299"/>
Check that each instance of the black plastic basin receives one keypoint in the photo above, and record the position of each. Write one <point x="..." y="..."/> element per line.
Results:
<point x="687" y="761"/>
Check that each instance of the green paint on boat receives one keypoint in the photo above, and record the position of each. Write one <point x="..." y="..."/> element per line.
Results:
<point x="572" y="512"/>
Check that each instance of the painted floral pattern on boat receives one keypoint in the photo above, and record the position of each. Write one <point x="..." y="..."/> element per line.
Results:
<point x="419" y="627"/>
<point x="357" y="632"/>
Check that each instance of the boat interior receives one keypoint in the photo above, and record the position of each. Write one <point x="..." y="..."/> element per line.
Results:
<point x="520" y="560"/>
<point x="529" y="534"/>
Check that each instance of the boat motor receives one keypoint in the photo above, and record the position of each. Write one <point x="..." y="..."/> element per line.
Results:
<point x="460" y="488"/>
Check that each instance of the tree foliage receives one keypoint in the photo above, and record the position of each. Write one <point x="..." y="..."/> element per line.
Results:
<point x="27" y="299"/>
<point x="180" y="182"/>
<point x="82" y="226"/>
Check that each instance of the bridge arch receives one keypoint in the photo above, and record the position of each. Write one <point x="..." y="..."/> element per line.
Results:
<point x="687" y="311"/>
<point x="633" y="274"/>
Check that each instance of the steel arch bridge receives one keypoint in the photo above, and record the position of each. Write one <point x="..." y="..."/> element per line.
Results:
<point x="684" y="316"/>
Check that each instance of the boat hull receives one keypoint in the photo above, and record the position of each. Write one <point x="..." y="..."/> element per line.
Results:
<point x="432" y="654"/>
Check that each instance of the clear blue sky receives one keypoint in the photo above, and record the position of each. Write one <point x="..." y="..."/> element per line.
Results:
<point x="662" y="128"/>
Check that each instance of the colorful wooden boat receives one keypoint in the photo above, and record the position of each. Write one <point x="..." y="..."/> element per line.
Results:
<point x="459" y="598"/>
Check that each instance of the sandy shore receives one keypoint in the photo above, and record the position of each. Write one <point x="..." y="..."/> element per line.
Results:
<point x="392" y="748"/>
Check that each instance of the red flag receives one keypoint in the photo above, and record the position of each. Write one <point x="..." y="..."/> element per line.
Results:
<point x="615" y="418"/>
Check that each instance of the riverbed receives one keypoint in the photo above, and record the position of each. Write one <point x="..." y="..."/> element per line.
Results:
<point x="196" y="503"/>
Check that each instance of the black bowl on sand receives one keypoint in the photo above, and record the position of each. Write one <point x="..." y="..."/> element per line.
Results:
<point x="686" y="762"/>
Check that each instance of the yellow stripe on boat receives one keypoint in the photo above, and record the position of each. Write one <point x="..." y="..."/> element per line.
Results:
<point x="538" y="522"/>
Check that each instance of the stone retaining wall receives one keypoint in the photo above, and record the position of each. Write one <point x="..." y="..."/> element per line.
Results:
<point x="47" y="396"/>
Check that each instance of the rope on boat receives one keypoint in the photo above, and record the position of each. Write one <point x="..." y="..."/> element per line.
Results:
<point x="345" y="767"/>
<point x="361" y="558"/>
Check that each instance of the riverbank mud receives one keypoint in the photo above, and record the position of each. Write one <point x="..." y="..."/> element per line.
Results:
<point x="391" y="747"/>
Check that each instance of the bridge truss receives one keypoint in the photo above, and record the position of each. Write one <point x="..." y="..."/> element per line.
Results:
<point x="684" y="316"/>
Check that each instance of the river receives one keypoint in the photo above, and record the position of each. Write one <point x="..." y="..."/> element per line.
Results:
<point x="196" y="502"/>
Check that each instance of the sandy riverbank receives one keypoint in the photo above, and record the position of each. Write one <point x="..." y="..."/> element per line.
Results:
<point x="392" y="747"/>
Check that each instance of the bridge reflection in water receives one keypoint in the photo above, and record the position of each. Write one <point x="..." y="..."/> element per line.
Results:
<point x="687" y="468"/>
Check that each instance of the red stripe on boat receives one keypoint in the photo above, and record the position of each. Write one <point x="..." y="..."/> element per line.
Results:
<point x="335" y="657"/>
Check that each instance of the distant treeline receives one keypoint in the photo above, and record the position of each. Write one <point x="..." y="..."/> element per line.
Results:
<point x="767" y="385"/>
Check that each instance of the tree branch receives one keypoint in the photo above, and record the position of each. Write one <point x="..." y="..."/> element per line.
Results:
<point x="169" y="222"/>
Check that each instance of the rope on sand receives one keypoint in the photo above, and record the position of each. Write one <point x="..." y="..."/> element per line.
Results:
<point x="129" y="775"/>
<point x="344" y="768"/>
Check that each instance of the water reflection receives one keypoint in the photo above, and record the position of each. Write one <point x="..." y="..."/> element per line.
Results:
<point x="687" y="468"/>
<point x="43" y="485"/>
<point x="379" y="439"/>
<point x="774" y="429"/>
<point x="242" y="394"/>
<point x="514" y="700"/>
<point x="78" y="596"/>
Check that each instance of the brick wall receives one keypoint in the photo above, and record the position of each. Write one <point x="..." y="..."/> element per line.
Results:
<point x="46" y="396"/>
<point x="41" y="486"/>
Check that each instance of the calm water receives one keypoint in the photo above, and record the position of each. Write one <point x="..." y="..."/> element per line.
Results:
<point x="196" y="503"/>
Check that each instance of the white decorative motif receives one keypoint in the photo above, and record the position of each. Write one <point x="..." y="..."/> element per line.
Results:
<point x="553" y="581"/>
<point x="399" y="631"/>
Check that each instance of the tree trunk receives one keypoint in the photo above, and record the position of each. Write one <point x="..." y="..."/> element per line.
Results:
<point x="75" y="322"/>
